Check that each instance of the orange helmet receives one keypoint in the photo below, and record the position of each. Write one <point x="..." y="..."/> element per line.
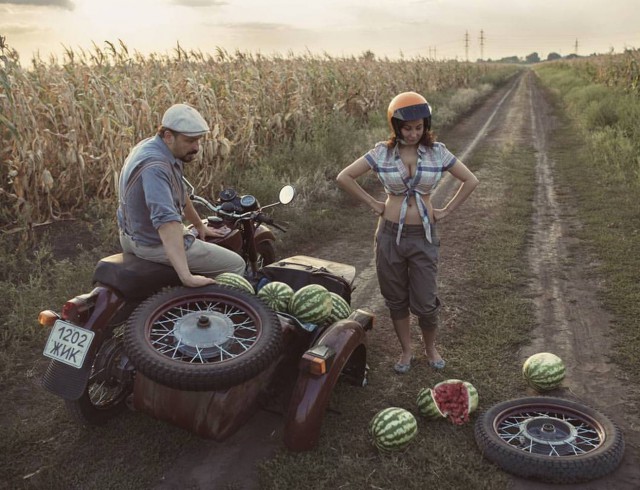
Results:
<point x="408" y="106"/>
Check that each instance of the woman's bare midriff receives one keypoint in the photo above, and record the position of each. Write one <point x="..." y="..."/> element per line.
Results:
<point x="393" y="204"/>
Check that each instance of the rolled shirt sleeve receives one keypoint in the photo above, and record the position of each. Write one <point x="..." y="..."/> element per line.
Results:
<point x="447" y="159"/>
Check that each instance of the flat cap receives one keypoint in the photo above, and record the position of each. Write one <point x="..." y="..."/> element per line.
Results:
<point x="184" y="119"/>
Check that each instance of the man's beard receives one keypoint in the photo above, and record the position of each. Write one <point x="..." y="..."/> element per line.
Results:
<point x="189" y="156"/>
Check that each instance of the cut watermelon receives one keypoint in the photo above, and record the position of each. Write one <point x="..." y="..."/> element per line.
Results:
<point x="455" y="400"/>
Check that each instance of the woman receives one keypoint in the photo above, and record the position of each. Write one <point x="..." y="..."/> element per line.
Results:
<point x="409" y="165"/>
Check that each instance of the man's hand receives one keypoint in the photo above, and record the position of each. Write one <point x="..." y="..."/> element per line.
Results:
<point x="206" y="231"/>
<point x="197" y="281"/>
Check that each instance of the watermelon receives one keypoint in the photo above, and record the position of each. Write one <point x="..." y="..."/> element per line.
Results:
<point x="426" y="404"/>
<point x="543" y="371"/>
<point x="340" y="309"/>
<point x="277" y="295"/>
<point x="393" y="429"/>
<point x="455" y="400"/>
<point x="311" y="304"/>
<point x="473" y="396"/>
<point x="235" y="281"/>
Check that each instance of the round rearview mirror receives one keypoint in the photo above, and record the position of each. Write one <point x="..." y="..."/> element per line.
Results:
<point x="287" y="193"/>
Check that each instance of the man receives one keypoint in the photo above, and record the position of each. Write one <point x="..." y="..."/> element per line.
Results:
<point x="153" y="201"/>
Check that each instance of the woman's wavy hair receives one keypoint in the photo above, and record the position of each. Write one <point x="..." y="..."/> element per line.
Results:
<point x="428" y="138"/>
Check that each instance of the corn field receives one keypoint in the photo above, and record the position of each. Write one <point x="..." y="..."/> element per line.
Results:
<point x="613" y="70"/>
<point x="67" y="127"/>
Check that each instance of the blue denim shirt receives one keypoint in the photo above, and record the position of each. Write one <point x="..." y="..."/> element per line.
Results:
<point x="151" y="191"/>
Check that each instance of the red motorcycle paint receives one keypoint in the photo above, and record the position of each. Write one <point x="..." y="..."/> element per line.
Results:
<point x="312" y="393"/>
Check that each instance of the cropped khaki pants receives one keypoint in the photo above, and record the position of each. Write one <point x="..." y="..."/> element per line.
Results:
<point x="407" y="272"/>
<point x="203" y="258"/>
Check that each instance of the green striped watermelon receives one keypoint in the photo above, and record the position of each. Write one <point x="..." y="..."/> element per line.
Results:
<point x="340" y="309"/>
<point x="543" y="371"/>
<point x="235" y="280"/>
<point x="473" y="396"/>
<point x="426" y="405"/>
<point x="393" y="428"/>
<point x="277" y="295"/>
<point x="311" y="304"/>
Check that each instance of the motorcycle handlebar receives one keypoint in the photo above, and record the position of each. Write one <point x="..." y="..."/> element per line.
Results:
<point x="218" y="209"/>
<point x="263" y="218"/>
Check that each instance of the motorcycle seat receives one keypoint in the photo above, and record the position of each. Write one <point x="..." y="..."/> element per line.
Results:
<point x="133" y="277"/>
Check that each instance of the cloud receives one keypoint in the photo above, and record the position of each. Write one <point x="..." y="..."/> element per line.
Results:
<point x="20" y="29"/>
<point x="198" y="3"/>
<point x="63" y="4"/>
<point x="259" y="26"/>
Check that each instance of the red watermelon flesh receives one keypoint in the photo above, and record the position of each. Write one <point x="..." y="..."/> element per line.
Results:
<point x="452" y="400"/>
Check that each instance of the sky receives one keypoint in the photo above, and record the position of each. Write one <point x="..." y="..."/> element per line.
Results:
<point x="441" y="29"/>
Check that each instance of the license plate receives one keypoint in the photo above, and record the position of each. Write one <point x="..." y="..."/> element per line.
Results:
<point x="68" y="343"/>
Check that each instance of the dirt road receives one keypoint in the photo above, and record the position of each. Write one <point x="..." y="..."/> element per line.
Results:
<point x="570" y="320"/>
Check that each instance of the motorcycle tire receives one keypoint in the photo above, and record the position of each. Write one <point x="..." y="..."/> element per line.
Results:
<point x="107" y="389"/>
<point x="549" y="439"/>
<point x="203" y="339"/>
<point x="266" y="254"/>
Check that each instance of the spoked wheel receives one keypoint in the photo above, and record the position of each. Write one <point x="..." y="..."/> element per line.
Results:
<point x="549" y="439"/>
<point x="201" y="339"/>
<point x="109" y="384"/>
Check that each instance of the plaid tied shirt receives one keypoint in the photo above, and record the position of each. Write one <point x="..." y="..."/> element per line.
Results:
<point x="395" y="178"/>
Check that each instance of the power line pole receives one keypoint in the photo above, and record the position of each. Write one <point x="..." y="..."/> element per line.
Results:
<point x="482" y="44"/>
<point x="466" y="45"/>
<point x="576" y="50"/>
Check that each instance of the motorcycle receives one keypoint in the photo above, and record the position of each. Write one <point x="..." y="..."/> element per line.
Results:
<point x="244" y="219"/>
<point x="204" y="359"/>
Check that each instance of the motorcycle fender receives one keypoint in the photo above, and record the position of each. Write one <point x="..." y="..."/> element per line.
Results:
<point x="264" y="234"/>
<point x="312" y="393"/>
<point x="66" y="381"/>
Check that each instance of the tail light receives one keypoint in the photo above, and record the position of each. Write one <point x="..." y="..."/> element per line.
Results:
<point x="317" y="360"/>
<point x="47" y="318"/>
<point x="78" y="309"/>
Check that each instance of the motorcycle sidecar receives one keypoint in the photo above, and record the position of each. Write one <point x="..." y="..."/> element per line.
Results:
<point x="206" y="359"/>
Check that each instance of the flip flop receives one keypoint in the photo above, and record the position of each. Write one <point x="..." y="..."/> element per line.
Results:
<point x="403" y="368"/>
<point x="439" y="364"/>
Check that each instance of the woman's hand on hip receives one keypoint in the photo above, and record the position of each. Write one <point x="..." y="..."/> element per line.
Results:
<point x="378" y="208"/>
